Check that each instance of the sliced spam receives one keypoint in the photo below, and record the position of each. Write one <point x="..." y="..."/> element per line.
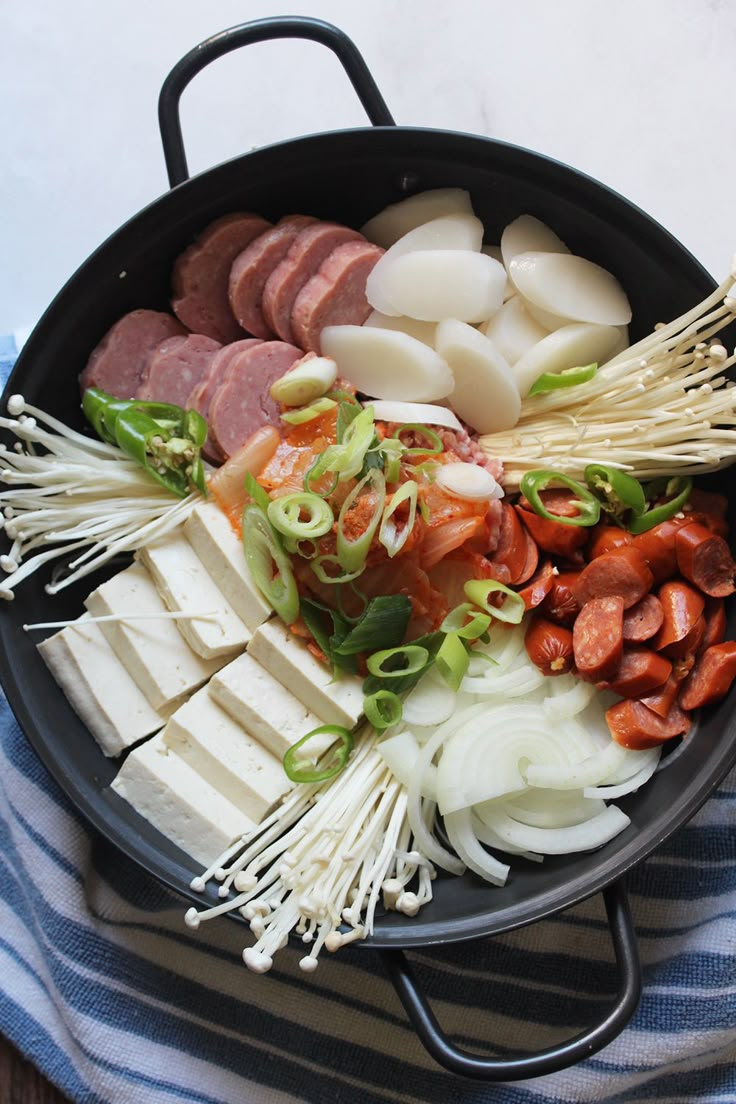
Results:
<point x="287" y="658"/>
<point x="264" y="707"/>
<point x="183" y="806"/>
<point x="221" y="551"/>
<point x="98" y="687"/>
<point x="226" y="756"/>
<point x="184" y="584"/>
<point x="154" y="653"/>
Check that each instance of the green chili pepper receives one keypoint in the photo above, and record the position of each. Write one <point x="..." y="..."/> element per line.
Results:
<point x="620" y="492"/>
<point x="679" y="487"/>
<point x="534" y="482"/>
<point x="293" y="762"/>
<point x="164" y="439"/>
<point x="568" y="377"/>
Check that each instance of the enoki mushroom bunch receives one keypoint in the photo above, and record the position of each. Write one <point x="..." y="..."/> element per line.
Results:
<point x="662" y="406"/>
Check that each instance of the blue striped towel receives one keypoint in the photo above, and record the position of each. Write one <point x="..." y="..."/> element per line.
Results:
<point x="104" y="988"/>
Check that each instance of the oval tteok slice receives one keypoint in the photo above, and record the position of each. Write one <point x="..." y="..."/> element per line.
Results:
<point x="242" y="403"/>
<point x="200" y="276"/>
<point x="335" y="296"/>
<point x="175" y="368"/>
<point x="117" y="363"/>
<point x="251" y="269"/>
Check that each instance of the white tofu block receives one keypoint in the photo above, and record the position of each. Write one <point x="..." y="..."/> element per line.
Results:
<point x="184" y="584"/>
<point x="184" y="807"/>
<point x="98" y="688"/>
<point x="221" y="551"/>
<point x="224" y="755"/>
<point x="287" y="658"/>
<point x="153" y="651"/>
<point x="264" y="708"/>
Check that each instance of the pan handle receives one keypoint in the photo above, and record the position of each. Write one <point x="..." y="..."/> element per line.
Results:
<point x="545" y="1061"/>
<point x="260" y="30"/>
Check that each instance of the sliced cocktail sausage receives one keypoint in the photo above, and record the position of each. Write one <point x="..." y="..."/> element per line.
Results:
<point x="560" y="605"/>
<point x="640" y="672"/>
<point x="549" y="646"/>
<point x="251" y="269"/>
<point x="203" y="392"/>
<point x="335" y="296"/>
<point x="643" y="620"/>
<point x="683" y="624"/>
<point x="622" y="572"/>
<point x="705" y="559"/>
<point x="634" y="726"/>
<point x="116" y="365"/>
<point x="175" y="368"/>
<point x="598" y="639"/>
<point x="242" y="403"/>
<point x="711" y="677"/>
<point x="200" y="276"/>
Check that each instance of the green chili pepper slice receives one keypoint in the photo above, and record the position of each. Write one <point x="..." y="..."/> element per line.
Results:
<point x="534" y="482"/>
<point x="620" y="492"/>
<point x="568" y="377"/>
<point x="679" y="487"/>
<point x="299" y="773"/>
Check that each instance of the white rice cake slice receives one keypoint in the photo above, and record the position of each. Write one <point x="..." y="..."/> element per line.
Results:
<point x="287" y="658"/>
<point x="98" y="687"/>
<point x="212" y="537"/>
<point x="265" y="708"/>
<point x="223" y="753"/>
<point x="153" y="651"/>
<point x="184" y="807"/>
<point x="184" y="584"/>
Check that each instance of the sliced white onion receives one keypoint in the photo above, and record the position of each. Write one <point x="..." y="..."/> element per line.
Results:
<point x="449" y="233"/>
<point x="434" y="284"/>
<point x="400" y="754"/>
<point x="424" y="841"/>
<point x="528" y="234"/>
<point x="558" y="841"/>
<point x="608" y="793"/>
<point x="469" y="481"/>
<point x="571" y="346"/>
<point x="398" y="219"/>
<point x="460" y="833"/>
<point x="486" y="835"/>
<point x="418" y="413"/>
<point x="513" y="330"/>
<point x="593" y="770"/>
<point x="422" y="331"/>
<point x="386" y="364"/>
<point x="571" y="287"/>
<point x="486" y="394"/>
<point x="550" y="808"/>
<point x="431" y="702"/>
<point x="633" y="764"/>
<point x="573" y="699"/>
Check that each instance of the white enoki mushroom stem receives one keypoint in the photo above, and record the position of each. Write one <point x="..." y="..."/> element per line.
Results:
<point x="665" y="405"/>
<point x="78" y="494"/>
<point x="320" y="860"/>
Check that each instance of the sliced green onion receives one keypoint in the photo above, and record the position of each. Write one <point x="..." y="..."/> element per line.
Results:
<point x="457" y="622"/>
<point x="318" y="567"/>
<point x="383" y="709"/>
<point x="415" y="427"/>
<point x="346" y="415"/>
<point x="352" y="554"/>
<point x="357" y="439"/>
<point x="255" y="491"/>
<point x="409" y="659"/>
<point x="316" y="471"/>
<point x="392" y="451"/>
<point x="314" y="615"/>
<point x="343" y="396"/>
<point x="285" y="514"/>
<point x="305" y="383"/>
<point x="431" y="642"/>
<point x="568" y="377"/>
<point x="382" y="625"/>
<point x="392" y="538"/>
<point x="298" y="773"/>
<point x="308" y="413"/>
<point x="534" y="482"/>
<point x="479" y="592"/>
<point x="452" y="660"/>
<point x="359" y="594"/>
<point x="263" y="550"/>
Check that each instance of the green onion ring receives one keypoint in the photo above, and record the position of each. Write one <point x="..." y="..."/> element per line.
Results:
<point x="480" y="590"/>
<point x="457" y="622"/>
<point x="383" y="709"/>
<point x="416" y="427"/>
<point x="415" y="656"/>
<point x="452" y="660"/>
<point x="285" y="512"/>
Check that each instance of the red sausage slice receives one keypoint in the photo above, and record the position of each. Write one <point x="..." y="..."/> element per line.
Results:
<point x="511" y="549"/>
<point x="251" y="268"/>
<point x="242" y="403"/>
<point x="640" y="672"/>
<point x="335" y="296"/>
<point x="634" y="726"/>
<point x="598" y="638"/>
<point x="117" y="363"/>
<point x="307" y="251"/>
<point x="705" y="559"/>
<point x="657" y="546"/>
<point x="662" y="700"/>
<point x="204" y="392"/>
<point x="176" y="368"/>
<point x="622" y="572"/>
<point x="560" y="605"/>
<point x="643" y="620"/>
<point x="715" y="622"/>
<point x="682" y="625"/>
<point x="549" y="646"/>
<point x="538" y="587"/>
<point x="554" y="537"/>
<point x="200" y="275"/>
<point x="711" y="677"/>
<point x="605" y="538"/>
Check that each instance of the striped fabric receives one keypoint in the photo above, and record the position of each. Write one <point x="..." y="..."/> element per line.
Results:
<point x="115" y="1000"/>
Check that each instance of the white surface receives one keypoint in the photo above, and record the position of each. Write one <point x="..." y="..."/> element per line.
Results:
<point x="636" y="94"/>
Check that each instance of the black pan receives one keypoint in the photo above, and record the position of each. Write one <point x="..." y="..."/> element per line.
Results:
<point x="348" y="176"/>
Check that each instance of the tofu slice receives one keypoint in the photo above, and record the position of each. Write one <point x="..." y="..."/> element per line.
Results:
<point x="212" y="537"/>
<point x="223" y="754"/>
<point x="98" y="687"/>
<point x="264" y="708"/>
<point x="289" y="660"/>
<point x="184" y="807"/>
<point x="184" y="584"/>
<point x="153" y="652"/>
